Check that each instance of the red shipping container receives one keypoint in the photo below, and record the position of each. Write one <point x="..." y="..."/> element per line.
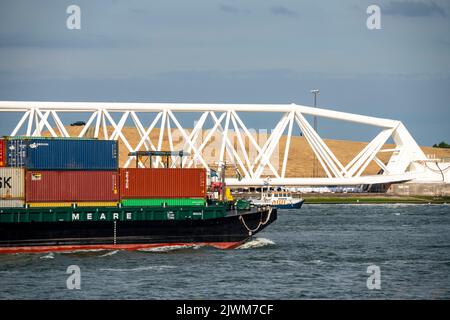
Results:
<point x="59" y="186"/>
<point x="162" y="183"/>
<point x="2" y="153"/>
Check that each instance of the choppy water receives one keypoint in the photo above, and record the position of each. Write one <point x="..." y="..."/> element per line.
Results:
<point x="320" y="251"/>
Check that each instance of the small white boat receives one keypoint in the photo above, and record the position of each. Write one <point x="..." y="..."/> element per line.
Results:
<point x="281" y="200"/>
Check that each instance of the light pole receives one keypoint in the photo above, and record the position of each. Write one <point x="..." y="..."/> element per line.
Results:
<point x="315" y="92"/>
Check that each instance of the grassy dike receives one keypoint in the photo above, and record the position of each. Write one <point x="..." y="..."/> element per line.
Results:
<point x="356" y="198"/>
<point x="367" y="199"/>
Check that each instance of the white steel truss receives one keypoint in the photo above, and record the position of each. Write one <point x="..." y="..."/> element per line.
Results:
<point x="406" y="162"/>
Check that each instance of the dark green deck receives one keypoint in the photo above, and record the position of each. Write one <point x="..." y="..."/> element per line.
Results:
<point x="18" y="215"/>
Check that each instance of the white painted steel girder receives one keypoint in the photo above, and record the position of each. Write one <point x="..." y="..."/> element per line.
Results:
<point x="406" y="162"/>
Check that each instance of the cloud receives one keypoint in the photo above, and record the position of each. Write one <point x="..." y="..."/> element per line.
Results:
<point x="68" y="39"/>
<point x="282" y="11"/>
<point x="57" y="41"/>
<point x="231" y="9"/>
<point x="138" y="11"/>
<point x="409" y="8"/>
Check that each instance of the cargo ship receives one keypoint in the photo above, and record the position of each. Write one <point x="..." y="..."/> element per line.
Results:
<point x="70" y="194"/>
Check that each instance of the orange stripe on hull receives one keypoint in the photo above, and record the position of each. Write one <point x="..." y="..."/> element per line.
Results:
<point x="40" y="249"/>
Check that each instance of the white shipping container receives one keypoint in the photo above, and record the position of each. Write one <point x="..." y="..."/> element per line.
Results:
<point x="12" y="183"/>
<point x="16" y="203"/>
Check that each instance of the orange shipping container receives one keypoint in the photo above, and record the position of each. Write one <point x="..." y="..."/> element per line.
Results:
<point x="162" y="183"/>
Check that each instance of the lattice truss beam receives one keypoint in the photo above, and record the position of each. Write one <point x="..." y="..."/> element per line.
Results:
<point x="229" y="137"/>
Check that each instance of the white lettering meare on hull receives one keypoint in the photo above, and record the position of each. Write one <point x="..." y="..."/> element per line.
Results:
<point x="103" y="216"/>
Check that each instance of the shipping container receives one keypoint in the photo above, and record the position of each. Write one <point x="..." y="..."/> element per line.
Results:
<point x="71" y="186"/>
<point x="2" y="152"/>
<point x="12" y="203"/>
<point x="162" y="183"/>
<point x="62" y="153"/>
<point x="95" y="204"/>
<point x="161" y="202"/>
<point x="12" y="183"/>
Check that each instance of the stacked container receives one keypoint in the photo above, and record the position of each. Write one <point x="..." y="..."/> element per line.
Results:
<point x="162" y="187"/>
<point x="62" y="188"/>
<point x="12" y="187"/>
<point x="62" y="154"/>
<point x="62" y="172"/>
<point x="65" y="172"/>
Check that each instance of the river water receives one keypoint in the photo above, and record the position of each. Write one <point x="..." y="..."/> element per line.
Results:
<point x="319" y="251"/>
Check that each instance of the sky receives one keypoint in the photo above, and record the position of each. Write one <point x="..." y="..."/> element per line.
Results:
<point x="236" y="51"/>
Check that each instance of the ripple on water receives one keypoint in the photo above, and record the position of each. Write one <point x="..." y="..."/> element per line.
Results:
<point x="319" y="251"/>
<point x="142" y="268"/>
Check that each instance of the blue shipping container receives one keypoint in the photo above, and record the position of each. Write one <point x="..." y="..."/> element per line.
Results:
<point x="62" y="154"/>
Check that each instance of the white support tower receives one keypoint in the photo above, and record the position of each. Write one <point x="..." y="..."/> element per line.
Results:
<point x="407" y="162"/>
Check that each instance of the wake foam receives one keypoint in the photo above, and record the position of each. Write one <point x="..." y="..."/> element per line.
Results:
<point x="82" y="251"/>
<point x="50" y="255"/>
<point x="169" y="248"/>
<point x="256" y="243"/>
<point x="110" y="253"/>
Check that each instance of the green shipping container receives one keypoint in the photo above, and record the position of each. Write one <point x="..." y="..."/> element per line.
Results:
<point x="171" y="202"/>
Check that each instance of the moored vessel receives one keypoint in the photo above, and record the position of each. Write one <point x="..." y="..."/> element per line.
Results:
<point x="280" y="200"/>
